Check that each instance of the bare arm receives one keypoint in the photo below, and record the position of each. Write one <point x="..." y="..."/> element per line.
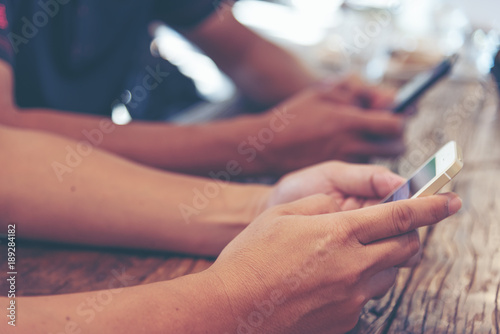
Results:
<point x="104" y="200"/>
<point x="313" y="127"/>
<point x="196" y="149"/>
<point x="184" y="305"/>
<point x="262" y="70"/>
<point x="303" y="267"/>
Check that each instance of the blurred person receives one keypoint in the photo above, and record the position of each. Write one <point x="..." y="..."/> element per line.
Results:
<point x="307" y="253"/>
<point x="64" y="63"/>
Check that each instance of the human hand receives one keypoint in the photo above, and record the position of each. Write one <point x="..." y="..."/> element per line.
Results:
<point x="352" y="90"/>
<point x="316" y="129"/>
<point x="351" y="186"/>
<point x="305" y="267"/>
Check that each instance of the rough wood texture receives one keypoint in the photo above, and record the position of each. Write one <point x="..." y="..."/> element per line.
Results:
<point x="454" y="290"/>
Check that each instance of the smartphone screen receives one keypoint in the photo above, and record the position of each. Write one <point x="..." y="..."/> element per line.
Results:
<point x="415" y="183"/>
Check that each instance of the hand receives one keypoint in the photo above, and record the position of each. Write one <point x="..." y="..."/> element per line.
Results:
<point x="351" y="186"/>
<point x="316" y="130"/>
<point x="305" y="267"/>
<point x="352" y="90"/>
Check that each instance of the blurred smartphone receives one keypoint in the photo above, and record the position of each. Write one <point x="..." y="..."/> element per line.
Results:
<point x="495" y="70"/>
<point x="432" y="176"/>
<point x="417" y="86"/>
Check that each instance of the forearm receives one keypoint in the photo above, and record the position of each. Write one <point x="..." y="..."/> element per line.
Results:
<point x="262" y="70"/>
<point x="196" y="149"/>
<point x="270" y="74"/>
<point x="193" y="149"/>
<point x="103" y="200"/>
<point x="183" y="305"/>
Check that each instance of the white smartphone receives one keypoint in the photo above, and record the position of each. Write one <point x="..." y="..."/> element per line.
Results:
<point x="432" y="176"/>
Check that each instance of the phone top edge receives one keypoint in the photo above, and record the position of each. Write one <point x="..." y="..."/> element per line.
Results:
<point x="446" y="175"/>
<point x="457" y="165"/>
<point x="440" y="180"/>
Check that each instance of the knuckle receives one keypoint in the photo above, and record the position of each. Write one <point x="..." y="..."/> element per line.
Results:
<point x="438" y="212"/>
<point x="275" y="211"/>
<point x="282" y="210"/>
<point x="325" y="203"/>
<point x="324" y="199"/>
<point x="360" y="300"/>
<point x="403" y="218"/>
<point x="352" y="279"/>
<point x="347" y="233"/>
<point x="413" y="242"/>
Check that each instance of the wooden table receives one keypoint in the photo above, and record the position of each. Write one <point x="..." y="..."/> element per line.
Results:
<point x="456" y="287"/>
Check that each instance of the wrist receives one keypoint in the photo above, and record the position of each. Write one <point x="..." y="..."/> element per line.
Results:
<point x="231" y="300"/>
<point x="186" y="305"/>
<point x="259" y="149"/>
<point x="226" y="215"/>
<point x="244" y="202"/>
<point x="235" y="296"/>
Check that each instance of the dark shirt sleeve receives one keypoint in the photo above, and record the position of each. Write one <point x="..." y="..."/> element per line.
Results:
<point x="185" y="14"/>
<point x="6" y="50"/>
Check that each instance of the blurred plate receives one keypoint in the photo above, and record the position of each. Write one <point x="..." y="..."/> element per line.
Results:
<point x="371" y="4"/>
<point x="405" y="65"/>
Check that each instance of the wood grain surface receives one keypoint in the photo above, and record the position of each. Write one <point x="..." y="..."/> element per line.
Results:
<point x="455" y="289"/>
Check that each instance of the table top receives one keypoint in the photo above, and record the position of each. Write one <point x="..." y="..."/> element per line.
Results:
<point x="456" y="287"/>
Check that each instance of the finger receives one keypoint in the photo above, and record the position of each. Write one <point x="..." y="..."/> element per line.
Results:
<point x="351" y="90"/>
<point x="382" y="98"/>
<point x="396" y="218"/>
<point x="357" y="159"/>
<point x="367" y="96"/>
<point x="367" y="181"/>
<point x="336" y="94"/>
<point x="381" y="283"/>
<point x="379" y="123"/>
<point x="391" y="252"/>
<point x="312" y="205"/>
<point x="384" y="148"/>
<point x="411" y="110"/>
<point x="413" y="261"/>
<point x="371" y="97"/>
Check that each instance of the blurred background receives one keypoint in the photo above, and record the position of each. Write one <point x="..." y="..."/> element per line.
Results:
<point x="381" y="40"/>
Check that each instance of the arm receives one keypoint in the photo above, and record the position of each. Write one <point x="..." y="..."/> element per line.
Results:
<point x="310" y="125"/>
<point x="113" y="202"/>
<point x="302" y="267"/>
<point x="262" y="70"/>
<point x="189" y="149"/>
<point x="183" y="305"/>
<point x="47" y="182"/>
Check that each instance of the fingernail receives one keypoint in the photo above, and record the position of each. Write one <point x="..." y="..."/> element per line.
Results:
<point x="454" y="203"/>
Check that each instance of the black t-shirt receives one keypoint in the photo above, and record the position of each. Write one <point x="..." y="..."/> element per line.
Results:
<point x="87" y="55"/>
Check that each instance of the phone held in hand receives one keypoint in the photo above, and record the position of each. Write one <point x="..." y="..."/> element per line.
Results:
<point x="433" y="175"/>
<point x="417" y="86"/>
